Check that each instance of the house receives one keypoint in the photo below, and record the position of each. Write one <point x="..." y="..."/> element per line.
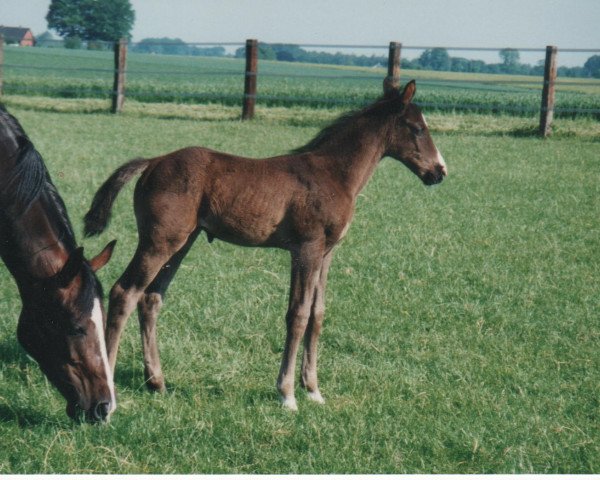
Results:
<point x="19" y="35"/>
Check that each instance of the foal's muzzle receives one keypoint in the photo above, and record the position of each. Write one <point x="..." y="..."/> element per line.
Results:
<point x="435" y="176"/>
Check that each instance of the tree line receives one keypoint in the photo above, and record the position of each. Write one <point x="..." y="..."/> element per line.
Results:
<point x="431" y="59"/>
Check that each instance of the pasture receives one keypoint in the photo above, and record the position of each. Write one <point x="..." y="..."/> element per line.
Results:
<point x="200" y="80"/>
<point x="461" y="330"/>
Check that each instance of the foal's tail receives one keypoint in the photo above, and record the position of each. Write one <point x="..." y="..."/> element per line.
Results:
<point x="98" y="216"/>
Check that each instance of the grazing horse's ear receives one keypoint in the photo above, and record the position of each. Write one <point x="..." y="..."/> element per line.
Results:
<point x="409" y="92"/>
<point x="103" y="257"/>
<point x="73" y="265"/>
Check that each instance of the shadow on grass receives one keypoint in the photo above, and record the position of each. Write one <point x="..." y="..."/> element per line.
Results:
<point x="260" y="396"/>
<point x="524" y="132"/>
<point x="12" y="353"/>
<point x="54" y="109"/>
<point x="534" y="132"/>
<point x="127" y="376"/>
<point x="23" y="417"/>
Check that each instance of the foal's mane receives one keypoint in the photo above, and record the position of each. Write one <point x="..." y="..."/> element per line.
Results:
<point x="381" y="107"/>
<point x="29" y="180"/>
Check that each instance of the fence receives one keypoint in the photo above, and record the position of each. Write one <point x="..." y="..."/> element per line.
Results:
<point x="288" y="84"/>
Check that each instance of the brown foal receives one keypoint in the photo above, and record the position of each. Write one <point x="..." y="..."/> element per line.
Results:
<point x="302" y="202"/>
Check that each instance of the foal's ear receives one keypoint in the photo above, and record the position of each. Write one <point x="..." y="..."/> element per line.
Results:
<point x="71" y="267"/>
<point x="409" y="92"/>
<point x="103" y="257"/>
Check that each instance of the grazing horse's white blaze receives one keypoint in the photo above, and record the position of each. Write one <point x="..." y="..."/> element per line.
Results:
<point x="97" y="319"/>
<point x="440" y="159"/>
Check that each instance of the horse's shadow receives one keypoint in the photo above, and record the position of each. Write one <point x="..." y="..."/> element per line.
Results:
<point x="11" y="354"/>
<point x="23" y="416"/>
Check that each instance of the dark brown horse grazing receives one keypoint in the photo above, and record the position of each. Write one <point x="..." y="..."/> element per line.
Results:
<point x="302" y="202"/>
<point x="62" y="320"/>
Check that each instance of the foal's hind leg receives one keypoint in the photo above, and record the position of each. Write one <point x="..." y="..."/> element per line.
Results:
<point x="306" y="267"/>
<point x="149" y="307"/>
<point x="311" y="337"/>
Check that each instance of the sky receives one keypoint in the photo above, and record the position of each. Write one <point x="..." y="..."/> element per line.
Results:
<point x="446" y="23"/>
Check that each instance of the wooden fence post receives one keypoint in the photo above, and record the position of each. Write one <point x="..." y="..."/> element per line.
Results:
<point x="393" y="76"/>
<point x="547" y="112"/>
<point x="1" y="64"/>
<point x="250" y="79"/>
<point x="118" y="94"/>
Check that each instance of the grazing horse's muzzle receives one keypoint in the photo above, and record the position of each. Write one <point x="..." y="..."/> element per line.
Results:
<point x="102" y="411"/>
<point x="96" y="413"/>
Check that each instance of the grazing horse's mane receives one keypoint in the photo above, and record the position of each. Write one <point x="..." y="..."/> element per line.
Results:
<point x="379" y="108"/>
<point x="29" y="180"/>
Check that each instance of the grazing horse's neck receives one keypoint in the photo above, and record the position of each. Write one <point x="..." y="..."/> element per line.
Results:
<point x="34" y="249"/>
<point x="31" y="244"/>
<point x="8" y="141"/>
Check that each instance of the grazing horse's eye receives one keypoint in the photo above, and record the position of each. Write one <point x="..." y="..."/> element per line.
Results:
<point x="77" y="332"/>
<point x="417" y="130"/>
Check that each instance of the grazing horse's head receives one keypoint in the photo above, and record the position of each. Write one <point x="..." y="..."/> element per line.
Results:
<point x="62" y="327"/>
<point x="409" y="138"/>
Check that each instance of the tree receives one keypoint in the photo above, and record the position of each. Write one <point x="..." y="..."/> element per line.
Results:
<point x="459" y="64"/>
<point x="510" y="58"/>
<point x="164" y="45"/>
<point x="46" y="39"/>
<point x="591" y="66"/>
<point x="435" y="59"/>
<point x="265" y="52"/>
<point x="107" y="20"/>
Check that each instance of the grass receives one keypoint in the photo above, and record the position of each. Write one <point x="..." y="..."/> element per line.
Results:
<point x="461" y="333"/>
<point x="200" y="80"/>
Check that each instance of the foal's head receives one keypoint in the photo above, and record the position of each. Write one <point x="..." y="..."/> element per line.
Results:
<point x="62" y="327"/>
<point x="409" y="139"/>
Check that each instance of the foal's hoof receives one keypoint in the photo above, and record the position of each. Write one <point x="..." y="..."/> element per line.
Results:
<point x="289" y="403"/>
<point x="315" y="397"/>
<point x="155" y="385"/>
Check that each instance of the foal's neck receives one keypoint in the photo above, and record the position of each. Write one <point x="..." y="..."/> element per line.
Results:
<point x="359" y="154"/>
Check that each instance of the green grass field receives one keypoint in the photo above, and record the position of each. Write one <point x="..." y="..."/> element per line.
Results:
<point x="461" y="332"/>
<point x="168" y="78"/>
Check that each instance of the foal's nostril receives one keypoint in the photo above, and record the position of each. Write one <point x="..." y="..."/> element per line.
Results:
<point x="101" y="411"/>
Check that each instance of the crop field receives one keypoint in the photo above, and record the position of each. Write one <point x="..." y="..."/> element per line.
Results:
<point x="164" y="78"/>
<point x="461" y="332"/>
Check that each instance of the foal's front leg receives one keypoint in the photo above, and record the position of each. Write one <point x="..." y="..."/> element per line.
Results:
<point x="311" y="337"/>
<point x="306" y="267"/>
